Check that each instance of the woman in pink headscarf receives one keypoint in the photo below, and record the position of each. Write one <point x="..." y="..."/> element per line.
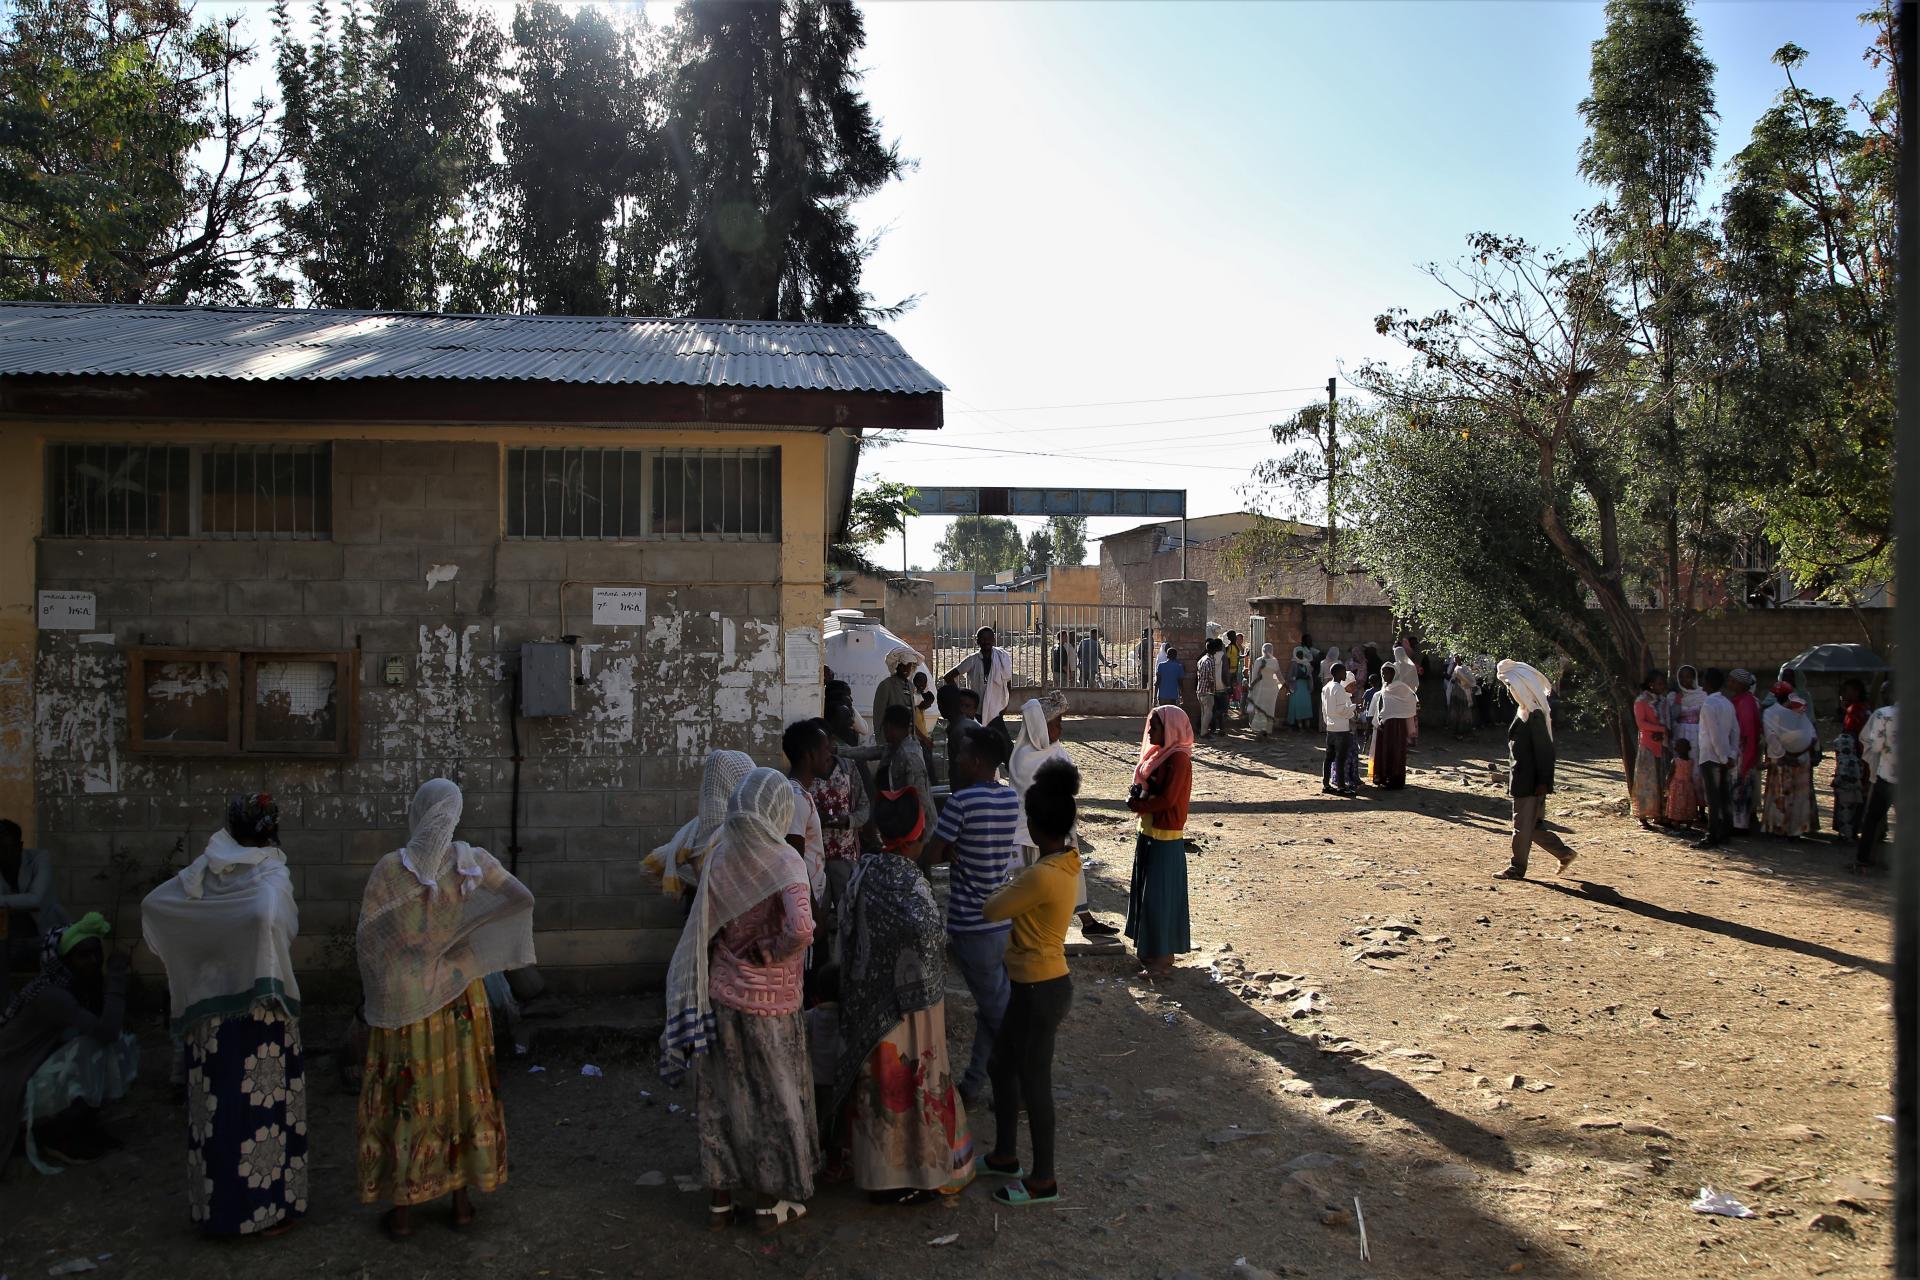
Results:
<point x="1162" y="783"/>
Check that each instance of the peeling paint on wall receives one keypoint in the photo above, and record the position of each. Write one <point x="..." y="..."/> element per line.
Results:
<point x="439" y="573"/>
<point x="80" y="717"/>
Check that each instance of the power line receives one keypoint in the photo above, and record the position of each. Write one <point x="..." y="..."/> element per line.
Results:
<point x="1108" y="404"/>
<point x="1117" y="426"/>
<point x="995" y="451"/>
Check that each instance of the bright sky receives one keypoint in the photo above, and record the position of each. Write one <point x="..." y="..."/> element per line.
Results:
<point x="1197" y="209"/>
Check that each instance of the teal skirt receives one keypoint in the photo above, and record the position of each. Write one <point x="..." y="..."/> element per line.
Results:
<point x="1157" y="901"/>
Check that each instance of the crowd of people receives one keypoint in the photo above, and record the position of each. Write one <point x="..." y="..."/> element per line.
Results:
<point x="1711" y="755"/>
<point x="807" y="994"/>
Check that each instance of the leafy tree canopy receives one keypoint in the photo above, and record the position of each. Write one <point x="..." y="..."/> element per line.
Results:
<point x="980" y="544"/>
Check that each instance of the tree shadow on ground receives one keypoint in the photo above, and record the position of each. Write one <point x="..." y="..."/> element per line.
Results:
<point x="1606" y="894"/>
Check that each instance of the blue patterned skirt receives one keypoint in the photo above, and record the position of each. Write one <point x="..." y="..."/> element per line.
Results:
<point x="246" y="1121"/>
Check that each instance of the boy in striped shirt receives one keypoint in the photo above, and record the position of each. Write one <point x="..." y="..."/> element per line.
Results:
<point x="976" y="833"/>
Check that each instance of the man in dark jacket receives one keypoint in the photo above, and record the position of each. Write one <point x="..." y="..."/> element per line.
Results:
<point x="1531" y="759"/>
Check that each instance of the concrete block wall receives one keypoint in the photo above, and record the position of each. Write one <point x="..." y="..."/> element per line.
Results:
<point x="417" y="570"/>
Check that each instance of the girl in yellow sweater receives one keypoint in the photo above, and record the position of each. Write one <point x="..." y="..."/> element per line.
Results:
<point x="1039" y="902"/>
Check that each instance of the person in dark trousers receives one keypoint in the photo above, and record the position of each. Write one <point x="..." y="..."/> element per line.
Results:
<point x="1878" y="756"/>
<point x="1038" y="904"/>
<point x="1337" y="712"/>
<point x="1716" y="753"/>
<point x="1531" y="757"/>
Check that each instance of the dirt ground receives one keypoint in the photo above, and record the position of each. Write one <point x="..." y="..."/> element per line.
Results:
<point x="1531" y="1079"/>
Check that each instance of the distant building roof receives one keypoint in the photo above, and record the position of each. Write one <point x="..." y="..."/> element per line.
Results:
<point x="1208" y="528"/>
<point x="266" y="345"/>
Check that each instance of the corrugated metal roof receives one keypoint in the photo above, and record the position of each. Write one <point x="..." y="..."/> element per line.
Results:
<point x="258" y="344"/>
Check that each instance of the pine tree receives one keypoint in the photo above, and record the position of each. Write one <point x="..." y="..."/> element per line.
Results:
<point x="770" y="143"/>
<point x="386" y="113"/>
<point x="575" y="138"/>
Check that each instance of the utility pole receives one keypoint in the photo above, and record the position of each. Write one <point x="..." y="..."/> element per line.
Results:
<point x="1333" y="479"/>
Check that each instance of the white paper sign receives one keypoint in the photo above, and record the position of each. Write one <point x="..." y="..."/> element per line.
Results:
<point x="66" y="611"/>
<point x="619" y="606"/>
<point x="803" y="656"/>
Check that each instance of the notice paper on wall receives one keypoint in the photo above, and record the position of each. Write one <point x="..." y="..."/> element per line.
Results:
<point x="619" y="606"/>
<point x="803" y="656"/>
<point x="66" y="611"/>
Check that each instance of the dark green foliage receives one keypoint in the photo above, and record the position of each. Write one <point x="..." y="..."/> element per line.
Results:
<point x="129" y="172"/>
<point x="386" y="114"/>
<point x="769" y="144"/>
<point x="981" y="544"/>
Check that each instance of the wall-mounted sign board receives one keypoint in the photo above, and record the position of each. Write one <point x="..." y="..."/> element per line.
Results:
<point x="619" y="606"/>
<point x="66" y="611"/>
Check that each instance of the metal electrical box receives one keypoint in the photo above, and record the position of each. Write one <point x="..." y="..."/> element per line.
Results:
<point x="546" y="679"/>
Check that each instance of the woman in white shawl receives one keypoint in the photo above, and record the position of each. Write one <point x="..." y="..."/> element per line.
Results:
<point x="1265" y="690"/>
<point x="438" y="917"/>
<point x="733" y="1011"/>
<point x="1039" y="742"/>
<point x="1399" y="707"/>
<point x="1791" y="747"/>
<point x="677" y="862"/>
<point x="224" y="929"/>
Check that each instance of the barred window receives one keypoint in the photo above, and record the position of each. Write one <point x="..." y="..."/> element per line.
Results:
<point x="730" y="495"/>
<point x="241" y="491"/>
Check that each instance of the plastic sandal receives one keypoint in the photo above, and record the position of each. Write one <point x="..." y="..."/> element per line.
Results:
<point x="719" y="1217"/>
<point x="986" y="1170"/>
<point x="1016" y="1193"/>
<point x="782" y="1212"/>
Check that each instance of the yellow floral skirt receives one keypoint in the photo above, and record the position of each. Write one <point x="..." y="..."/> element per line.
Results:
<point x="430" y="1119"/>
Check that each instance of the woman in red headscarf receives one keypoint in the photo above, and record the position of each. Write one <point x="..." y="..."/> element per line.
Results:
<point x="1162" y="784"/>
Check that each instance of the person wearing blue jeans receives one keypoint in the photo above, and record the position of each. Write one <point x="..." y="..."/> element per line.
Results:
<point x="977" y="834"/>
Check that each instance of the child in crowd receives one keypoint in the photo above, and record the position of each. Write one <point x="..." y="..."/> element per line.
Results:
<point x="1683" y="796"/>
<point x="976" y="833"/>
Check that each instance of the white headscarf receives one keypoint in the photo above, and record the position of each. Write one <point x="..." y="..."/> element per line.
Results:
<point x="1031" y="751"/>
<point x="677" y="862"/>
<point x="1326" y="663"/>
<point x="437" y="916"/>
<point x="224" y="928"/>
<point x="750" y="862"/>
<point x="1530" y="690"/>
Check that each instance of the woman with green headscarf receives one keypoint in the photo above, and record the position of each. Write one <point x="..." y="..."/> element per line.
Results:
<point x="62" y="1053"/>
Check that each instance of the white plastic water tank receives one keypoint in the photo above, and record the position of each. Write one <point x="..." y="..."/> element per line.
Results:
<point x="856" y="648"/>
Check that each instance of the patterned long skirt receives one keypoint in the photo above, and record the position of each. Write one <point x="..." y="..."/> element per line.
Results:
<point x="1789" y="797"/>
<point x="754" y="1091"/>
<point x="1849" y="786"/>
<point x="907" y="1126"/>
<point x="1745" y="791"/>
<point x="430" y="1119"/>
<point x="1647" y="801"/>
<point x="246" y="1121"/>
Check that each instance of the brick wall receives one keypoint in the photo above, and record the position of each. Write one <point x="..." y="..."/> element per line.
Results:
<point x="1129" y="568"/>
<point x="599" y="788"/>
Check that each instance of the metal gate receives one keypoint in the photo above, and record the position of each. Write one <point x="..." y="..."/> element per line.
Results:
<point x="1120" y="655"/>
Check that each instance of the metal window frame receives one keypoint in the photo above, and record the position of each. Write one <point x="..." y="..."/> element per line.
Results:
<point x="541" y="467"/>
<point x="202" y="462"/>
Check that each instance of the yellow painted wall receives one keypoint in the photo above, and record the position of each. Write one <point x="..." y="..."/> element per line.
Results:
<point x="20" y="506"/>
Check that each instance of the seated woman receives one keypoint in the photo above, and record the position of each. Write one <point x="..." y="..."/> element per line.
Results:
<point x="29" y="908"/>
<point x="62" y="1053"/>
<point x="224" y="928"/>
<point x="904" y="1121"/>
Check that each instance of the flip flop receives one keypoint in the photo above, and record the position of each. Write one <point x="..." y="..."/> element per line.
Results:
<point x="779" y="1215"/>
<point x="1016" y="1193"/>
